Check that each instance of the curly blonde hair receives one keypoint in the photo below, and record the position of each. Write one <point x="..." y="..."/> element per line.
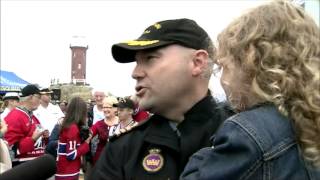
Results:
<point x="277" y="45"/>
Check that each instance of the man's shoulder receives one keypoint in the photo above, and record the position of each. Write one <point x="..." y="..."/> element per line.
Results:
<point x="40" y="109"/>
<point x="16" y="112"/>
<point x="54" y="108"/>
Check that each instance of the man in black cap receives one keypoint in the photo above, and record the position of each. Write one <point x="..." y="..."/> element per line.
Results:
<point x="173" y="67"/>
<point x="24" y="129"/>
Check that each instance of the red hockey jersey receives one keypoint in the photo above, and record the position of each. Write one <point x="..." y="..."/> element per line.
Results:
<point x="69" y="153"/>
<point x="21" y="126"/>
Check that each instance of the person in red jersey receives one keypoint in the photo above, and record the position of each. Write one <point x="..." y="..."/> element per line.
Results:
<point x="73" y="142"/>
<point x="138" y="114"/>
<point x="25" y="136"/>
<point x="102" y="128"/>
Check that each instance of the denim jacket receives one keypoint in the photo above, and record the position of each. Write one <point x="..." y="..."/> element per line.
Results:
<point x="256" y="144"/>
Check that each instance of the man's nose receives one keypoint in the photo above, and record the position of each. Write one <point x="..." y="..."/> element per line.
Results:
<point x="137" y="72"/>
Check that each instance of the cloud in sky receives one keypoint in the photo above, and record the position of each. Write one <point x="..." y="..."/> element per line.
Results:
<point x="36" y="35"/>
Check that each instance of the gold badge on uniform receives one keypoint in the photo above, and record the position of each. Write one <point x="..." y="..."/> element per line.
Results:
<point x="154" y="161"/>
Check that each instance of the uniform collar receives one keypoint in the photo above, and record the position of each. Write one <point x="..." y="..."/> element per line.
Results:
<point x="160" y="133"/>
<point x="204" y="105"/>
<point x="24" y="109"/>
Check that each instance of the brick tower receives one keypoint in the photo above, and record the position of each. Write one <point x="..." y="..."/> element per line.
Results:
<point x="78" y="61"/>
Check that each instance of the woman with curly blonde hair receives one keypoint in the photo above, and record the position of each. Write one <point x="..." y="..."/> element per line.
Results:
<point x="270" y="60"/>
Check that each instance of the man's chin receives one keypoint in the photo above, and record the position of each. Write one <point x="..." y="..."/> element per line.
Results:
<point x="145" y="104"/>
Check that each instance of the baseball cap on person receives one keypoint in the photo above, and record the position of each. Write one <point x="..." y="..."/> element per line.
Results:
<point x="46" y="91"/>
<point x="125" y="103"/>
<point x="11" y="95"/>
<point x="185" y="32"/>
<point x="29" y="90"/>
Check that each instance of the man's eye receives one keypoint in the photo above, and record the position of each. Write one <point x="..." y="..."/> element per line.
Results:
<point x="151" y="57"/>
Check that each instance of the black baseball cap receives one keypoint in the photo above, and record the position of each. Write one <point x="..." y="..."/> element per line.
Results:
<point x="29" y="90"/>
<point x="125" y="103"/>
<point x="185" y="32"/>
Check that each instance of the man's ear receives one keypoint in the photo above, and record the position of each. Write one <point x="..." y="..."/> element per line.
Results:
<point x="200" y="62"/>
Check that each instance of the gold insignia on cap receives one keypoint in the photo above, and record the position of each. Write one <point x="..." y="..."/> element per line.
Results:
<point x="154" y="161"/>
<point x="157" y="26"/>
<point x="146" y="31"/>
<point x="140" y="43"/>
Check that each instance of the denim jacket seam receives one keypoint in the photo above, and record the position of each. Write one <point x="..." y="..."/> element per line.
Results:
<point x="258" y="162"/>
<point x="271" y="154"/>
<point x="250" y="132"/>
<point x="252" y="169"/>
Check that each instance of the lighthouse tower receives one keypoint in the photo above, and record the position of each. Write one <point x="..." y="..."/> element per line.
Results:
<point x="78" y="60"/>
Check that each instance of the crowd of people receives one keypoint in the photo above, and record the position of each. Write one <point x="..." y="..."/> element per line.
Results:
<point x="31" y="125"/>
<point x="173" y="128"/>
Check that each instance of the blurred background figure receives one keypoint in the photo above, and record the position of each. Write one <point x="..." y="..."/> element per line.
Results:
<point x="101" y="129"/>
<point x="97" y="108"/>
<point x="94" y="115"/>
<point x="3" y="128"/>
<point x="125" y="112"/>
<point x="74" y="140"/>
<point x="10" y="101"/>
<point x="47" y="113"/>
<point x="63" y="106"/>
<point x="25" y="136"/>
<point x="138" y="113"/>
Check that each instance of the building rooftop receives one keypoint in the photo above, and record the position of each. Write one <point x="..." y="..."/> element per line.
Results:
<point x="78" y="41"/>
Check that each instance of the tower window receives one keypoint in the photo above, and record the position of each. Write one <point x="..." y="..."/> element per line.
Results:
<point x="79" y="66"/>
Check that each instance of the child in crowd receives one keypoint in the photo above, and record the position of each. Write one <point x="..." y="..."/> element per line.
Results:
<point x="73" y="141"/>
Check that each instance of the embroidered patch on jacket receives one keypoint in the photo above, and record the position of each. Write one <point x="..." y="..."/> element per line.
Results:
<point x="154" y="161"/>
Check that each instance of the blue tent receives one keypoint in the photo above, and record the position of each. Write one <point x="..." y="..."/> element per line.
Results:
<point x="9" y="81"/>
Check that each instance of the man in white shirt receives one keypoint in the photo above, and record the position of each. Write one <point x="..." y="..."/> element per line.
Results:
<point x="97" y="109"/>
<point x="47" y="113"/>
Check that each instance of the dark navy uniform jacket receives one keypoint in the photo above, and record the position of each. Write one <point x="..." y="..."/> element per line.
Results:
<point x="154" y="150"/>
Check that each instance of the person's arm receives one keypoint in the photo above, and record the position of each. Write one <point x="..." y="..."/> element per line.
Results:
<point x="52" y="145"/>
<point x="72" y="151"/>
<point x="232" y="155"/>
<point x="21" y="135"/>
<point x="94" y="129"/>
<point x="3" y="128"/>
